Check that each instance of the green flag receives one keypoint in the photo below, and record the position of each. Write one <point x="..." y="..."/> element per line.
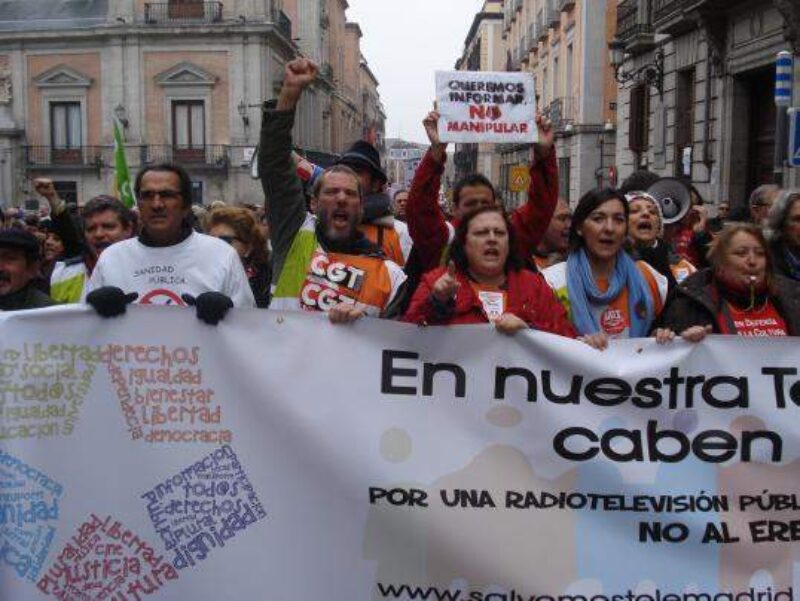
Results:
<point x="122" y="178"/>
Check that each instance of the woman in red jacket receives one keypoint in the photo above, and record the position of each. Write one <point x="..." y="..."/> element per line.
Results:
<point x="484" y="282"/>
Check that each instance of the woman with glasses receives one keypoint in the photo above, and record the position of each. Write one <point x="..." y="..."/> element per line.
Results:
<point x="239" y="228"/>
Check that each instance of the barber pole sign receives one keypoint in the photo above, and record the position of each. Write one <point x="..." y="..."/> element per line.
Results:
<point x="783" y="79"/>
<point x="477" y="106"/>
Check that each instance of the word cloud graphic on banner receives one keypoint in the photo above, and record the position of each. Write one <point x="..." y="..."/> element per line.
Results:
<point x="480" y="106"/>
<point x="278" y="456"/>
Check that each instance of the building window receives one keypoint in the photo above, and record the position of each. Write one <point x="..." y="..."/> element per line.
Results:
<point x="564" y="165"/>
<point x="544" y="87"/>
<point x="638" y="133"/>
<point x="186" y="9"/>
<point x="556" y="82"/>
<point x="197" y="192"/>
<point x="68" y="192"/>
<point x="570" y="67"/>
<point x="188" y="129"/>
<point x="684" y="123"/>
<point x="66" y="132"/>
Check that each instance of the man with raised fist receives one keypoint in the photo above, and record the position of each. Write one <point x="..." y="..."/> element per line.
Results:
<point x="321" y="262"/>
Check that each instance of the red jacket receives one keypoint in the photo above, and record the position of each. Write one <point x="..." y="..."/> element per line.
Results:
<point x="427" y="225"/>
<point x="529" y="298"/>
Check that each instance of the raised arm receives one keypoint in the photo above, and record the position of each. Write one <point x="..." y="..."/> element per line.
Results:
<point x="531" y="220"/>
<point x="63" y="225"/>
<point x="427" y="225"/>
<point x="283" y="190"/>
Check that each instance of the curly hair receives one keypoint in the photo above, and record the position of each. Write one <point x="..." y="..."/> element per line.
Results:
<point x="245" y="225"/>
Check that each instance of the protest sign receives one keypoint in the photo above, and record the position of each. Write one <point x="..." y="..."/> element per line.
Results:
<point x="478" y="106"/>
<point x="280" y="457"/>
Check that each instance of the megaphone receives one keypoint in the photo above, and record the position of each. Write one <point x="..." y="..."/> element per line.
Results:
<point x="674" y="197"/>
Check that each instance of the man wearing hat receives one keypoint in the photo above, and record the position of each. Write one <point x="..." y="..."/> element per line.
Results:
<point x="19" y="267"/>
<point x="378" y="223"/>
<point x="321" y="262"/>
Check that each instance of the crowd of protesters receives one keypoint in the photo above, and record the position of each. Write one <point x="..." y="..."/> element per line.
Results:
<point x="643" y="260"/>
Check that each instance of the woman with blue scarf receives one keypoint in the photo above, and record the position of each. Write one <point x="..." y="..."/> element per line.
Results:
<point x="606" y="293"/>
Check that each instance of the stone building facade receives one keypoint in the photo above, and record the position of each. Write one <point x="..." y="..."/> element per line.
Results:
<point x="713" y="120"/>
<point x="484" y="50"/>
<point x="185" y="78"/>
<point x="564" y="44"/>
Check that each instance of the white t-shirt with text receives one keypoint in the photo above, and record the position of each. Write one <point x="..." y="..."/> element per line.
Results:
<point x="162" y="274"/>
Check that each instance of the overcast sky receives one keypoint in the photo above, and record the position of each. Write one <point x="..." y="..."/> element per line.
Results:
<point x="405" y="42"/>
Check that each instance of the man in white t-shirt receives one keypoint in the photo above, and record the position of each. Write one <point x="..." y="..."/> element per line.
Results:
<point x="169" y="263"/>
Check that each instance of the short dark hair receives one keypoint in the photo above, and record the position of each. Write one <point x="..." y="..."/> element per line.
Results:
<point x="185" y="181"/>
<point x="103" y="203"/>
<point x="338" y="168"/>
<point x="639" y="180"/>
<point x="459" y="255"/>
<point x="473" y="179"/>
<point x="586" y="206"/>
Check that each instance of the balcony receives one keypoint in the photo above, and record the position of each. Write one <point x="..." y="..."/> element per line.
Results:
<point x="566" y="5"/>
<point x="533" y="38"/>
<point x="633" y="27"/>
<point x="674" y="16"/>
<point x="188" y="13"/>
<point x="283" y="23"/>
<point x="541" y="26"/>
<point x="561" y="112"/>
<point x="552" y="14"/>
<point x="206" y="158"/>
<point x="326" y="71"/>
<point x="50" y="158"/>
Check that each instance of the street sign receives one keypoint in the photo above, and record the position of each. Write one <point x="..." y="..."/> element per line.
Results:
<point x="519" y="178"/>
<point x="794" y="137"/>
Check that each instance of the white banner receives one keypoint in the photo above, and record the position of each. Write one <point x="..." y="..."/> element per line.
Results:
<point x="279" y="457"/>
<point x="480" y="106"/>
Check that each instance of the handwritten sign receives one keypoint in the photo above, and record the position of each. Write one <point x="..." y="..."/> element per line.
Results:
<point x="478" y="106"/>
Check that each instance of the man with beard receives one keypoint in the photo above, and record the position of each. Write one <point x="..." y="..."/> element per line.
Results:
<point x="321" y="262"/>
<point x="553" y="248"/>
<point x="378" y="223"/>
<point x="105" y="221"/>
<point x="19" y="266"/>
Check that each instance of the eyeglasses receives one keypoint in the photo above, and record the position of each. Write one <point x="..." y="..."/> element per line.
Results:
<point x="165" y="195"/>
<point x="230" y="239"/>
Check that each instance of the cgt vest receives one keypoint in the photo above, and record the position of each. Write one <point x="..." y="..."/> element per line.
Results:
<point x="68" y="280"/>
<point x="315" y="280"/>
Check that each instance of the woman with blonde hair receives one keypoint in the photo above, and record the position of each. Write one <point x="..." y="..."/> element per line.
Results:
<point x="239" y="227"/>
<point x="739" y="294"/>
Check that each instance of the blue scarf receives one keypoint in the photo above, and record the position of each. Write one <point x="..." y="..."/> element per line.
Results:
<point x="583" y="292"/>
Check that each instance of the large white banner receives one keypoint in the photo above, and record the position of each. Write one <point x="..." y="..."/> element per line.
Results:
<point x="279" y="457"/>
<point x="480" y="106"/>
